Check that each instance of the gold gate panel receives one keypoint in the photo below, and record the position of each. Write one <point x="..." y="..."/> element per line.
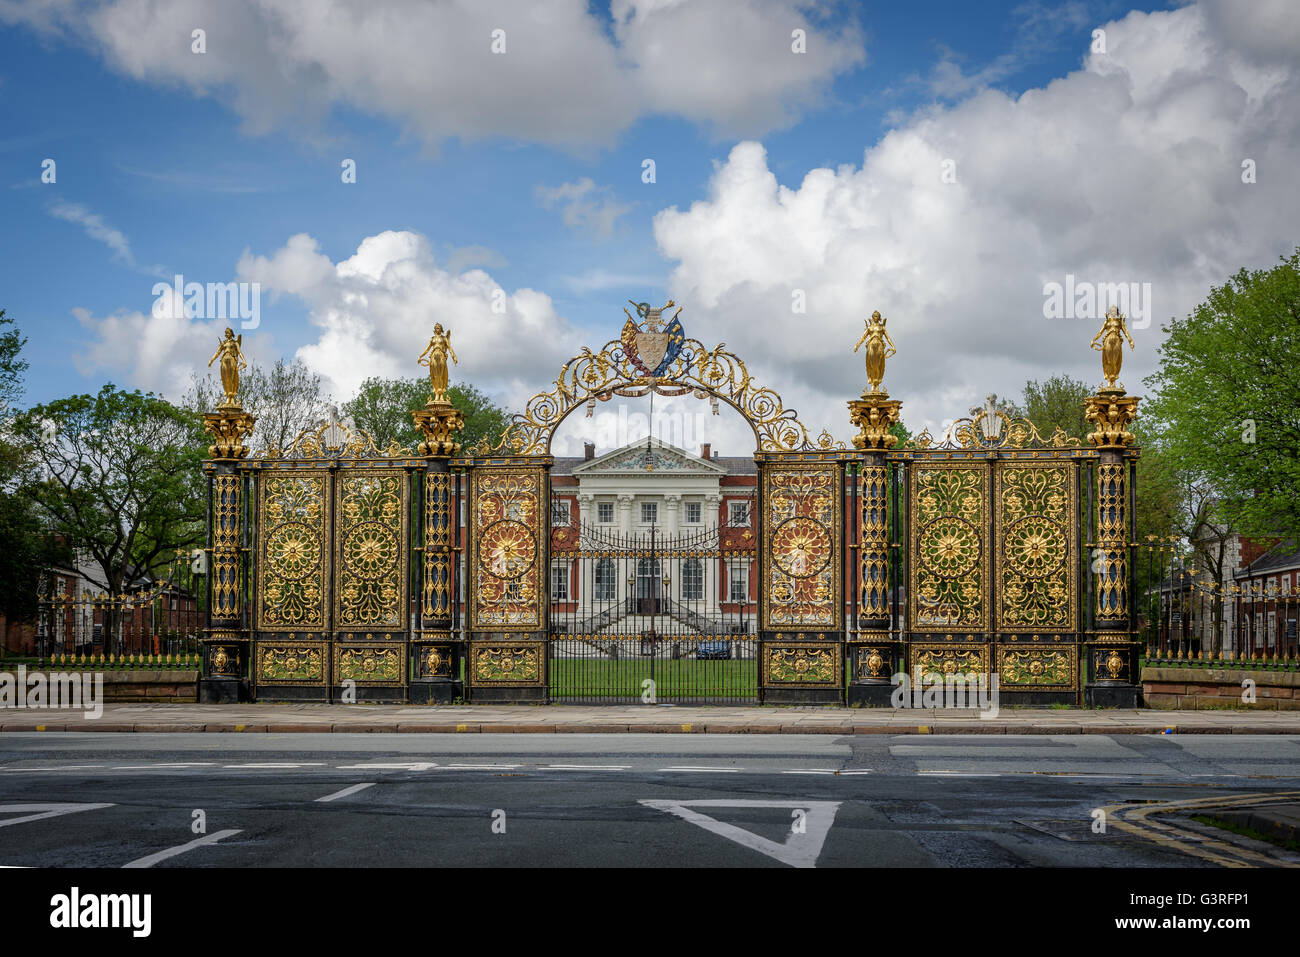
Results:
<point x="802" y="572"/>
<point x="1036" y="511"/>
<point x="293" y="518"/>
<point x="506" y="541"/>
<point x="370" y="570"/>
<point x="949" y="586"/>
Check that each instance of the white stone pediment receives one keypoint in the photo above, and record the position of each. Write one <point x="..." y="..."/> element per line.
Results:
<point x="659" y="457"/>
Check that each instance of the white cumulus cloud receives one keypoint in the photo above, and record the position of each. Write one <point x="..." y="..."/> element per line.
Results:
<point x="1125" y="170"/>
<point x="561" y="75"/>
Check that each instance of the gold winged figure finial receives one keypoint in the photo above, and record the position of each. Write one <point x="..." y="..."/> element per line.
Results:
<point x="230" y="352"/>
<point x="1111" y="336"/>
<point x="435" y="357"/>
<point x="879" y="348"/>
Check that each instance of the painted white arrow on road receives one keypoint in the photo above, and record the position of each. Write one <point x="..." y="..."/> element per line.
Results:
<point x="43" y="811"/>
<point x="799" y="849"/>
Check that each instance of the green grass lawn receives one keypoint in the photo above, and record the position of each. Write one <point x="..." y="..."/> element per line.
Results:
<point x="684" y="678"/>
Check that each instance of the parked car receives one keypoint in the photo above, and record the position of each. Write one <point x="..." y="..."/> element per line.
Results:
<point x="713" y="648"/>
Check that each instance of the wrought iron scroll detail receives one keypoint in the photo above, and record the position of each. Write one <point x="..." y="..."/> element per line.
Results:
<point x="226" y="505"/>
<point x="1110" y="564"/>
<point x="506" y="544"/>
<point x="437" y="546"/>
<point x="801" y="546"/>
<point x="592" y="377"/>
<point x="874" y="588"/>
<point x="1037" y="568"/>
<point x="950" y="578"/>
<point x="333" y="440"/>
<point x="371" y="562"/>
<point x="977" y="433"/>
<point x="292" y="522"/>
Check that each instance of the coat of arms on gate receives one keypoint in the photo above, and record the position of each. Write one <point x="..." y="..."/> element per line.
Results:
<point x="652" y="343"/>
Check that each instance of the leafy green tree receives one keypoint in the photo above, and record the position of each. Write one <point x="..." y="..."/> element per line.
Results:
<point x="12" y="366"/>
<point x="118" y="477"/>
<point x="382" y="408"/>
<point x="1056" y="403"/>
<point x="1227" y="398"/>
<point x="287" y="399"/>
<point x="26" y="547"/>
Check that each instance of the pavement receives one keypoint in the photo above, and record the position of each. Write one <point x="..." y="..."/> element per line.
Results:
<point x="1280" y="822"/>
<point x="639" y="719"/>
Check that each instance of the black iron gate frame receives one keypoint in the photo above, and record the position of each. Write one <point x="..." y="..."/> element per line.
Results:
<point x="640" y="644"/>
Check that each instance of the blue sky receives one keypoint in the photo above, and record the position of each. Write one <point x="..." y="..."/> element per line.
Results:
<point x="160" y="172"/>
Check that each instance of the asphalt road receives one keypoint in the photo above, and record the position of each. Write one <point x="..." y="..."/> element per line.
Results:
<point x="349" y="800"/>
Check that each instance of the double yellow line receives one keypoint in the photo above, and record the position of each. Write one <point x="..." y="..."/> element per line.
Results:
<point x="1138" y="820"/>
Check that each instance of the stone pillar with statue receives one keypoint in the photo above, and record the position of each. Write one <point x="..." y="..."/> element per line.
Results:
<point x="226" y="641"/>
<point x="873" y="653"/>
<point x="438" y="652"/>
<point x="1112" y="657"/>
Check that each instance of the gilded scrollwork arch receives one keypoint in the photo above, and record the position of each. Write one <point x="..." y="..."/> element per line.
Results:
<point x="993" y="429"/>
<point x="685" y="367"/>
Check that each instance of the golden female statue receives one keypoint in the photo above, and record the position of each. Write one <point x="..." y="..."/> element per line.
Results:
<point x="1112" y="335"/>
<point x="879" y="348"/>
<point x="437" y="352"/>
<point x="229" y="351"/>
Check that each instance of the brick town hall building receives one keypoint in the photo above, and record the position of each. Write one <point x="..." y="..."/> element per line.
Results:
<point x="651" y="539"/>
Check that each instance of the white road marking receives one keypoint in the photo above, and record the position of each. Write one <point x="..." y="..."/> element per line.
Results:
<point x="150" y="767"/>
<point x="862" y="771"/>
<point x="305" y="764"/>
<point x="345" y="792"/>
<point x="799" y="850"/>
<point x="705" y="770"/>
<point x="70" y="767"/>
<point x="960" y="774"/>
<point x="45" y="810"/>
<point x="810" y="771"/>
<point x="153" y="859"/>
<point x="480" y="767"/>
<point x="408" y="766"/>
<point x="586" y="767"/>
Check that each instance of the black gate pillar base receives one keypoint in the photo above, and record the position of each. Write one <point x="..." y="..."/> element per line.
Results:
<point x="870" y="694"/>
<point x="489" y="695"/>
<point x="1105" y="694"/>
<point x="797" y="696"/>
<point x="221" y="691"/>
<point x="437" y="692"/>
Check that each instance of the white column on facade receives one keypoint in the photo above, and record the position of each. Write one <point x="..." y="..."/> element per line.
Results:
<point x="712" y="502"/>
<point x="625" y="513"/>
<point x="586" y="509"/>
<point x="672" y="505"/>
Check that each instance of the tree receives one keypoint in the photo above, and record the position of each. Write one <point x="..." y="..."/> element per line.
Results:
<point x="118" y="477"/>
<point x="1056" y="403"/>
<point x="1227" y="398"/>
<point x="382" y="408"/>
<point x="26" y="548"/>
<point x="12" y="366"/>
<point x="287" y="399"/>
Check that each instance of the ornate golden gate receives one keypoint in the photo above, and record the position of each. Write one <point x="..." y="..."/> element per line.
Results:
<point x="339" y="572"/>
<point x="800" y="531"/>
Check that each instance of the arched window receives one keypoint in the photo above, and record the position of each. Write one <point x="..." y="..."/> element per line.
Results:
<point x="692" y="580"/>
<point x="606" y="585"/>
